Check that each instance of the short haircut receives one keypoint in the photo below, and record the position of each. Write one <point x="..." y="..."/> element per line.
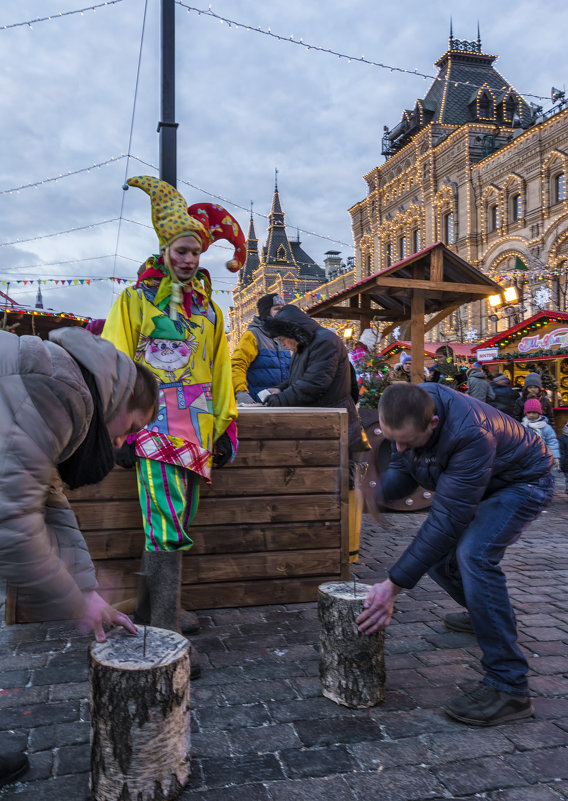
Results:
<point x="145" y="392"/>
<point x="403" y="403"/>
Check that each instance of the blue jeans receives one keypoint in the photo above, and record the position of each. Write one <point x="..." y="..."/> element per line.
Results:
<point x="471" y="574"/>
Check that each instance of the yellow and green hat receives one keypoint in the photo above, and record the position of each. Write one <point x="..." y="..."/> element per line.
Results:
<point x="172" y="218"/>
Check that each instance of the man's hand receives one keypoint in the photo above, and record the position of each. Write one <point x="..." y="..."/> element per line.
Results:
<point x="244" y="399"/>
<point x="378" y="607"/>
<point x="99" y="614"/>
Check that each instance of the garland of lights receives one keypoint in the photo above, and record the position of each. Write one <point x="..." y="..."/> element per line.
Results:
<point x="59" y="177"/>
<point x="81" y="11"/>
<point x="300" y="43"/>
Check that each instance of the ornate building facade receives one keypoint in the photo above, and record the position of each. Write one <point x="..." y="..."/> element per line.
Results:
<point x="282" y="266"/>
<point x="476" y="166"/>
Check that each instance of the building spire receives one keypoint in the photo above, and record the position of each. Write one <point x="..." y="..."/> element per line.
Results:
<point x="251" y="205"/>
<point x="451" y="33"/>
<point x="478" y="37"/>
<point x="276" y="179"/>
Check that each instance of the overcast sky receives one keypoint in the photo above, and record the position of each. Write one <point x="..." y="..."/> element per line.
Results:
<point x="245" y="103"/>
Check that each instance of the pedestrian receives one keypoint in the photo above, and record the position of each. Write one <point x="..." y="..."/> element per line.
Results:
<point x="532" y="388"/>
<point x="64" y="404"/>
<point x="563" y="447"/>
<point x="504" y="395"/>
<point x="402" y="370"/>
<point x="535" y="420"/>
<point x="170" y="323"/>
<point x="492" y="477"/>
<point x="259" y="361"/>
<point x="478" y="386"/>
<point x="320" y="375"/>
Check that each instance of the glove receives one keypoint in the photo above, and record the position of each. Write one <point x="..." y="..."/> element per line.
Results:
<point x="273" y="400"/>
<point x="244" y="399"/>
<point x="125" y="456"/>
<point x="222" y="451"/>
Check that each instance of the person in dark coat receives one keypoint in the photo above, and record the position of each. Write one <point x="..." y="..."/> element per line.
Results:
<point x="492" y="477"/>
<point x="505" y="396"/>
<point x="477" y="384"/>
<point x="533" y="389"/>
<point x="320" y="371"/>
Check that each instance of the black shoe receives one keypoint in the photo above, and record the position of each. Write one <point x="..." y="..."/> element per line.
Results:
<point x="486" y="706"/>
<point x="13" y="764"/>
<point x="459" y="621"/>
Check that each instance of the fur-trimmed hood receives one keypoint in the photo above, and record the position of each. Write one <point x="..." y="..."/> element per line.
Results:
<point x="292" y="322"/>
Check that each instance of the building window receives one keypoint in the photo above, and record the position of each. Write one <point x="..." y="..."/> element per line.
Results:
<point x="494" y="222"/>
<point x="516" y="208"/>
<point x="559" y="187"/>
<point x="402" y="247"/>
<point x="448" y="227"/>
<point x="389" y="254"/>
<point x="417" y="240"/>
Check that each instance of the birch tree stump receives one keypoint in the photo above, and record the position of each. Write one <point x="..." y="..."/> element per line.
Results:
<point x="352" y="664"/>
<point x="140" y="726"/>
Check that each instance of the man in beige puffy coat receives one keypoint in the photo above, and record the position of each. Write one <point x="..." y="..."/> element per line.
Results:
<point x="57" y="396"/>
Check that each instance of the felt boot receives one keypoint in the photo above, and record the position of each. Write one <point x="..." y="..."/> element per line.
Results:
<point x="163" y="581"/>
<point x="189" y="621"/>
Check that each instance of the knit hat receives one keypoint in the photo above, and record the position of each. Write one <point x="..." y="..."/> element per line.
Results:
<point x="207" y="222"/>
<point x="477" y="365"/>
<point x="533" y="380"/>
<point x="500" y="378"/>
<point x="533" y="405"/>
<point x="267" y="302"/>
<point x="404" y="358"/>
<point x="368" y="338"/>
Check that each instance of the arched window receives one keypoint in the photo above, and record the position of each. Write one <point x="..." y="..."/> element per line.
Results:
<point x="416" y="240"/>
<point x="402" y="248"/>
<point x="281" y="253"/>
<point x="448" y="227"/>
<point x="516" y="207"/>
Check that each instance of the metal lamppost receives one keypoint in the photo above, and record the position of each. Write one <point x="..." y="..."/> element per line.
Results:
<point x="167" y="125"/>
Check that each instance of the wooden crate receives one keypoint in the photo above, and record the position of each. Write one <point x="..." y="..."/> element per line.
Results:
<point x="270" y="528"/>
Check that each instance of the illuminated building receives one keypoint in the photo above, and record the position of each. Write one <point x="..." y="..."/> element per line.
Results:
<point x="477" y="166"/>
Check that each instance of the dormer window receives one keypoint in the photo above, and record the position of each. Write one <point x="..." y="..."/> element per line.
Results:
<point x="281" y="253"/>
<point x="485" y="105"/>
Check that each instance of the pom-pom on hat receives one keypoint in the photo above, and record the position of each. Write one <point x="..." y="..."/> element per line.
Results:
<point x="172" y="219"/>
<point x="267" y="302"/>
<point x="533" y="380"/>
<point x="533" y="405"/>
<point x="404" y="358"/>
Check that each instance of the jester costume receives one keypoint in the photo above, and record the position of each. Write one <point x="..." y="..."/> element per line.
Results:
<point x="177" y="331"/>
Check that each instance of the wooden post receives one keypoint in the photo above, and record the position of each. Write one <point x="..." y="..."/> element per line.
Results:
<point x="417" y="334"/>
<point x="140" y="726"/>
<point x="352" y="665"/>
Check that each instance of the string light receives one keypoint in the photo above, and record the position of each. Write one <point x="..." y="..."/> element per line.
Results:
<point x="60" y="177"/>
<point x="300" y="43"/>
<point x="31" y="22"/>
<point x="58" y="233"/>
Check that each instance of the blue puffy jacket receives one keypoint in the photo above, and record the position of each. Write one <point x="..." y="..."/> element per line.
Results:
<point x="271" y="366"/>
<point x="474" y="451"/>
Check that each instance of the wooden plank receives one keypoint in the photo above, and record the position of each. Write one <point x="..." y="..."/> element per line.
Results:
<point x="247" y="481"/>
<point x="344" y="473"/>
<point x="437" y="264"/>
<point x="435" y="286"/>
<point x="253" y="593"/>
<point x="291" y="452"/>
<point x="289" y="423"/>
<point x="233" y="567"/>
<point x="93" y="516"/>
<point x="129" y="543"/>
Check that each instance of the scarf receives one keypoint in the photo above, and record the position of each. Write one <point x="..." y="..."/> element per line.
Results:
<point x="94" y="458"/>
<point x="199" y="286"/>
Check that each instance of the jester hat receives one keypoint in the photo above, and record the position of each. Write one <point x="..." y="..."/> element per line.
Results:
<point x="172" y="219"/>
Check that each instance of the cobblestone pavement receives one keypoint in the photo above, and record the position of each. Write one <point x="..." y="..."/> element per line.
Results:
<point x="263" y="732"/>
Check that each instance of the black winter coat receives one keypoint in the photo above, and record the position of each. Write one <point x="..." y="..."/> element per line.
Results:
<point x="320" y="371"/>
<point x="505" y="398"/>
<point x="474" y="451"/>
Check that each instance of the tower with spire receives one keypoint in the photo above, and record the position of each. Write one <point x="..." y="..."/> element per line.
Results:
<point x="281" y="266"/>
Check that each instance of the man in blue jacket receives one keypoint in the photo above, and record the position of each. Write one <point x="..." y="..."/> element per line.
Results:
<point x="492" y="478"/>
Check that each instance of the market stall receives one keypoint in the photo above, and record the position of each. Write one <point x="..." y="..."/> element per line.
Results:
<point x="539" y="344"/>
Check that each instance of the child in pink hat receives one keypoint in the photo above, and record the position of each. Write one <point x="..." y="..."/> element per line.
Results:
<point x="535" y="420"/>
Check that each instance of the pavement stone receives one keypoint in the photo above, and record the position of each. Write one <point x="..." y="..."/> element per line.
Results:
<point x="261" y="730"/>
